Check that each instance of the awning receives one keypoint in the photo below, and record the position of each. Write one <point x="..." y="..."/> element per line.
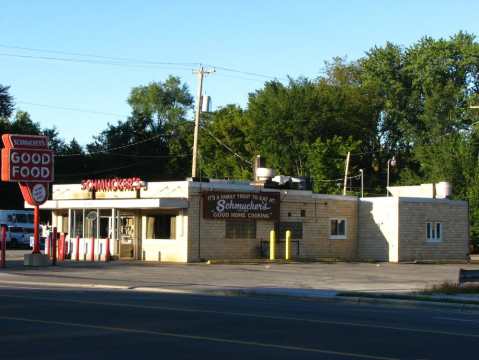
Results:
<point x="162" y="203"/>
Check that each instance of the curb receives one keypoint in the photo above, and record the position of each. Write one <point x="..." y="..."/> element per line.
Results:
<point x="326" y="297"/>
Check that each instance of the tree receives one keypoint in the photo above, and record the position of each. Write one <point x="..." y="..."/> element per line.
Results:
<point x="326" y="161"/>
<point x="225" y="146"/>
<point x="6" y="102"/>
<point x="155" y="139"/>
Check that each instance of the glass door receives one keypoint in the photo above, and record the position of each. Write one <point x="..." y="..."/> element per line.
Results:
<point x="127" y="235"/>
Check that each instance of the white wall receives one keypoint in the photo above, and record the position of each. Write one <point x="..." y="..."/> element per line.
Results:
<point x="378" y="229"/>
<point x="166" y="249"/>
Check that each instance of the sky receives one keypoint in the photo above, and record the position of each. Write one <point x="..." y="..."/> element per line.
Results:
<point x="275" y="39"/>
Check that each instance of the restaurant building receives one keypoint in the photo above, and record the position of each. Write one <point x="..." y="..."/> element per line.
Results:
<point x="188" y="221"/>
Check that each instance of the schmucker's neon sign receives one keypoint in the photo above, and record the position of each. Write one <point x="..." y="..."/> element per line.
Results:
<point x="115" y="184"/>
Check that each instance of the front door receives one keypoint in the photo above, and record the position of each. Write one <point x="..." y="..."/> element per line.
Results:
<point x="127" y="235"/>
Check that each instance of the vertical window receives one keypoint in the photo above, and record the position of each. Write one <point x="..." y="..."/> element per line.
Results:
<point x="240" y="229"/>
<point x="433" y="231"/>
<point x="91" y="223"/>
<point x="76" y="223"/>
<point x="337" y="228"/>
<point x="161" y="226"/>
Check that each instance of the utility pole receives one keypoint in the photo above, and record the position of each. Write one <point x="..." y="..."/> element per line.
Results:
<point x="201" y="72"/>
<point x="346" y="173"/>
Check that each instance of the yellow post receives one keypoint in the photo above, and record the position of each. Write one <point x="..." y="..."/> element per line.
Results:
<point x="288" y="245"/>
<point x="272" y="244"/>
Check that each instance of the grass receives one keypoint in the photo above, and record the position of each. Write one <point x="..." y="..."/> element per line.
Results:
<point x="451" y="288"/>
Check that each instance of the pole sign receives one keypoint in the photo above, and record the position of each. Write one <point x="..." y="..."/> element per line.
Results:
<point x="27" y="160"/>
<point x="237" y="205"/>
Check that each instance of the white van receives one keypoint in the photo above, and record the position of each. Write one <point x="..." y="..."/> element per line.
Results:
<point x="19" y="225"/>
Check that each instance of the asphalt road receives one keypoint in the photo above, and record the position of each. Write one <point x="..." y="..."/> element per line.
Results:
<point x="91" y="324"/>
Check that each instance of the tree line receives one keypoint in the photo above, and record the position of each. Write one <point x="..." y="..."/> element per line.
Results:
<point x="411" y="103"/>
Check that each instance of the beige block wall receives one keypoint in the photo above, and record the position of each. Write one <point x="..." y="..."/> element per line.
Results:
<point x="315" y="242"/>
<point x="413" y="215"/>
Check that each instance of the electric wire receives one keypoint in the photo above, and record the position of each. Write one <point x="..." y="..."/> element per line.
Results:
<point x="123" y="61"/>
<point x="226" y="146"/>
<point x="72" y="109"/>
<point x="94" y="62"/>
<point x="98" y="56"/>
<point x="113" y="148"/>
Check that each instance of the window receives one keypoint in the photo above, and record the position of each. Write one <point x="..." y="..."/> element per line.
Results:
<point x="433" y="231"/>
<point x="22" y="218"/>
<point x="91" y="223"/>
<point x="76" y="223"/>
<point x="338" y="229"/>
<point x="240" y="229"/>
<point x="296" y="229"/>
<point x="161" y="226"/>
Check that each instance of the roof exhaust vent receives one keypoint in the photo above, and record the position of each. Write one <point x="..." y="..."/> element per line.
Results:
<point x="262" y="174"/>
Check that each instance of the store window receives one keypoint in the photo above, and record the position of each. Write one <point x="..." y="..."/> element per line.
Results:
<point x="240" y="229"/>
<point x="338" y="228"/>
<point x="161" y="226"/>
<point x="434" y="231"/>
<point x="296" y="229"/>
<point x="91" y="223"/>
<point x="76" y="223"/>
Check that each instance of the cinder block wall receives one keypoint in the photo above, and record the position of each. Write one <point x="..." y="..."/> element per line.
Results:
<point x="315" y="241"/>
<point x="413" y="216"/>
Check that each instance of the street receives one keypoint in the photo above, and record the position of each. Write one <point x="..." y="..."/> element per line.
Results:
<point x="62" y="323"/>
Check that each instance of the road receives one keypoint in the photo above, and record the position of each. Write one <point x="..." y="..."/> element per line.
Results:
<point x="60" y="323"/>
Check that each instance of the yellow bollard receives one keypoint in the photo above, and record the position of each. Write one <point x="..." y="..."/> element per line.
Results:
<point x="272" y="244"/>
<point x="288" y="245"/>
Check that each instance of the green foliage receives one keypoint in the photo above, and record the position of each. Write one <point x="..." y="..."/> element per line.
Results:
<point x="326" y="161"/>
<point x="6" y="102"/>
<point x="227" y="128"/>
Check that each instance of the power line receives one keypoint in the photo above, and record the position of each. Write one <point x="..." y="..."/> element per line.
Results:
<point x="99" y="56"/>
<point x="339" y="179"/>
<point x="226" y="146"/>
<point x="124" y="61"/>
<point x="64" y="156"/>
<point x="113" y="148"/>
<point x="72" y="109"/>
<point x="95" y="62"/>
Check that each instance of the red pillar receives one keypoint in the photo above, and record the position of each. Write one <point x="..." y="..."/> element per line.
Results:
<point x="92" y="255"/>
<point x="54" y="246"/>
<point x="3" y="245"/>
<point x="61" y="247"/>
<point x="77" y="249"/>
<point x="36" y="238"/>
<point x="107" y="250"/>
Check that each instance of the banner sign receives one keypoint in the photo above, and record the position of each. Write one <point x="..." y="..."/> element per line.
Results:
<point x="115" y="184"/>
<point x="236" y="205"/>
<point x="27" y="160"/>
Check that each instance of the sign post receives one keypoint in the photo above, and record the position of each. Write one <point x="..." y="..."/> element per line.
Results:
<point x="27" y="160"/>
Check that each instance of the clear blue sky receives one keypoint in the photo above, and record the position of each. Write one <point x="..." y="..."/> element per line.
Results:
<point x="276" y="38"/>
